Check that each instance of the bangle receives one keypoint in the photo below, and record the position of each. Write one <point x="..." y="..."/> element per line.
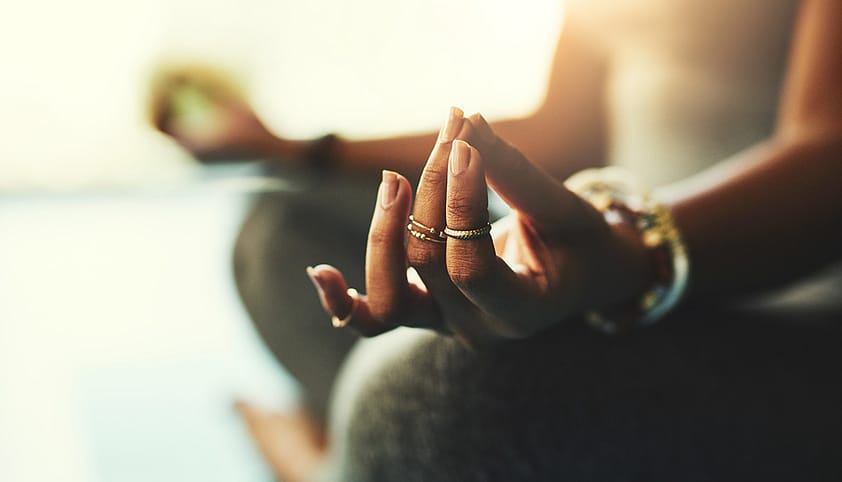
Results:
<point x="613" y="191"/>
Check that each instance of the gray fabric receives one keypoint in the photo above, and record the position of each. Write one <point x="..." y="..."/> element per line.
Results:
<point x="326" y="222"/>
<point x="714" y="396"/>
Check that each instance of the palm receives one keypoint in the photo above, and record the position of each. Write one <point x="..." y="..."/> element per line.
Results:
<point x="540" y="262"/>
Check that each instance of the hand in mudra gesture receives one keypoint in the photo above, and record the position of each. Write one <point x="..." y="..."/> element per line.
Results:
<point x="553" y="258"/>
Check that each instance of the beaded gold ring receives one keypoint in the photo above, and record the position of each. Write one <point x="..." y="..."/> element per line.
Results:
<point x="467" y="234"/>
<point x="424" y="232"/>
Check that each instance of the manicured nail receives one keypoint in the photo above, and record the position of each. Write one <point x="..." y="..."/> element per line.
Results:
<point x="451" y="125"/>
<point x="460" y="157"/>
<point x="484" y="131"/>
<point x="314" y="277"/>
<point x="388" y="189"/>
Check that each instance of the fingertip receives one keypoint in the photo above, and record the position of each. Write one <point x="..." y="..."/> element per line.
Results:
<point x="330" y="278"/>
<point x="401" y="178"/>
<point x="456" y="113"/>
<point x="388" y="191"/>
<point x="464" y="156"/>
<point x="452" y="126"/>
<point x="387" y="175"/>
<point x="323" y="268"/>
<point x="483" y="130"/>
<point x="404" y="187"/>
<point x="393" y="188"/>
<point x="331" y="287"/>
<point x="460" y="157"/>
<point x="314" y="278"/>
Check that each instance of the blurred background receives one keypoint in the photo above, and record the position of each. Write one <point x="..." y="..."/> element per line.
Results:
<point x="122" y="339"/>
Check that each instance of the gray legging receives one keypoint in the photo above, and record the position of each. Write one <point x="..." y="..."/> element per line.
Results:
<point x="325" y="222"/>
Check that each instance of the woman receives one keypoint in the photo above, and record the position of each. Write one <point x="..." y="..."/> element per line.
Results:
<point x="651" y="406"/>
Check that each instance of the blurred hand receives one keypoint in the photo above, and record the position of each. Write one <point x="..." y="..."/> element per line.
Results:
<point x="209" y="117"/>
<point x="552" y="259"/>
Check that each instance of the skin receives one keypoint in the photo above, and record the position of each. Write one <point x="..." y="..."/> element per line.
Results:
<point x="551" y="258"/>
<point x="564" y="135"/>
<point x="294" y="435"/>
<point x="554" y="252"/>
<point x="722" y="213"/>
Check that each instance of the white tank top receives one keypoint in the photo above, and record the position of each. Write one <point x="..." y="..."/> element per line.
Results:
<point x="691" y="82"/>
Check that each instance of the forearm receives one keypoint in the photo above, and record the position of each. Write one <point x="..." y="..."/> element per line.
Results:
<point x="404" y="154"/>
<point x="770" y="215"/>
<point x="567" y="133"/>
<point x="541" y="136"/>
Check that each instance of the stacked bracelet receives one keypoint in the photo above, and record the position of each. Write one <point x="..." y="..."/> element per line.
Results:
<point x="612" y="191"/>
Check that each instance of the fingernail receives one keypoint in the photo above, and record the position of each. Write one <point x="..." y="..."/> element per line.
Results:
<point x="451" y="125"/>
<point x="388" y="189"/>
<point x="314" y="277"/>
<point x="484" y="131"/>
<point x="460" y="157"/>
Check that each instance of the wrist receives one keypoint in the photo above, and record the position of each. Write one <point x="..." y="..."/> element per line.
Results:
<point x="321" y="153"/>
<point x="637" y="266"/>
<point x="318" y="154"/>
<point x="612" y="192"/>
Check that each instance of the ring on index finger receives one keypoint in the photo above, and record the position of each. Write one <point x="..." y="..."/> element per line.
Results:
<point x="468" y="234"/>
<point x="424" y="232"/>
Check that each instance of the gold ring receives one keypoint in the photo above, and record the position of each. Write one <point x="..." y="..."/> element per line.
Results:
<point x="338" y="322"/>
<point x="425" y="233"/>
<point x="467" y="234"/>
<point x="433" y="231"/>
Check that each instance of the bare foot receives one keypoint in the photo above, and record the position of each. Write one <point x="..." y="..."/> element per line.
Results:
<point x="292" y="444"/>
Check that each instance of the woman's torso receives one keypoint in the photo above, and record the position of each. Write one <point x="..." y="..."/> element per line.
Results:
<point x="691" y="82"/>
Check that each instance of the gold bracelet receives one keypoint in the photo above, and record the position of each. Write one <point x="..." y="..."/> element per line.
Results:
<point x="611" y="190"/>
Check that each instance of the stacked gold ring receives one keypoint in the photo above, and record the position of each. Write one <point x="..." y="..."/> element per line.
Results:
<point x="424" y="232"/>
<point x="468" y="234"/>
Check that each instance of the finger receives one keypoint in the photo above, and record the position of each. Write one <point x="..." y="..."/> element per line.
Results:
<point x="333" y="292"/>
<point x="390" y="294"/>
<point x="428" y="257"/>
<point x="425" y="256"/>
<point x="528" y="188"/>
<point x="336" y="301"/>
<point x="472" y="264"/>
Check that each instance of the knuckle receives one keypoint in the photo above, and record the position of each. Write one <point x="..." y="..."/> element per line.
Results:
<point x="422" y="258"/>
<point x="434" y="178"/>
<point x="467" y="275"/>
<point x="386" y="312"/>
<point x="460" y="204"/>
<point x="378" y="237"/>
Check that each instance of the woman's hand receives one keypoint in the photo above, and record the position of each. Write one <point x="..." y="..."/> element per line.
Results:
<point x="553" y="258"/>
